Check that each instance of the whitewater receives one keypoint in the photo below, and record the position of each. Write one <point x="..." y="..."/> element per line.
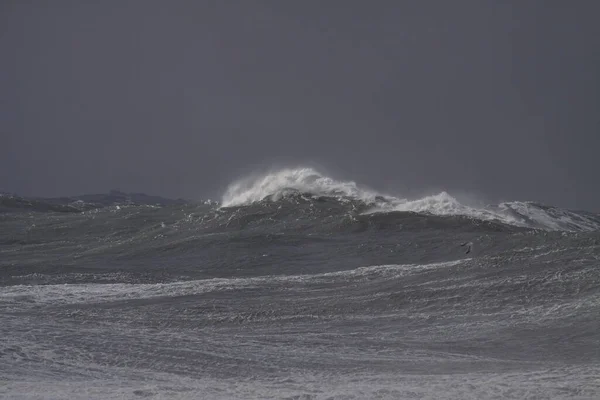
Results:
<point x="297" y="285"/>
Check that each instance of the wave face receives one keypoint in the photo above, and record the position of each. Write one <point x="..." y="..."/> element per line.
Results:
<point x="297" y="285"/>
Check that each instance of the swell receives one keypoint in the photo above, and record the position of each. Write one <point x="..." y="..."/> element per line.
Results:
<point x="291" y="235"/>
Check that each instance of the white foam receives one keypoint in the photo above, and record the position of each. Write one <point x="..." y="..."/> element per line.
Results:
<point x="551" y="218"/>
<point x="21" y="295"/>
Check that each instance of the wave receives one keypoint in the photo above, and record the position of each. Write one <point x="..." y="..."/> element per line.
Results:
<point x="310" y="183"/>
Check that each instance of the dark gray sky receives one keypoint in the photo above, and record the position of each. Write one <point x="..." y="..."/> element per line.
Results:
<point x="496" y="98"/>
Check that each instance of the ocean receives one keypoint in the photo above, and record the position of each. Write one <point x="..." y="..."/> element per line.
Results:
<point x="295" y="285"/>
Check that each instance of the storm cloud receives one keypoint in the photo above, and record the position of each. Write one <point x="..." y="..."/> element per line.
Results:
<point x="494" y="99"/>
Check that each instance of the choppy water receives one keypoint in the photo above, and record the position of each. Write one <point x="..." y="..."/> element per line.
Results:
<point x="319" y="291"/>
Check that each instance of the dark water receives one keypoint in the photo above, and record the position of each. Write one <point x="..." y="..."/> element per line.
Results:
<point x="295" y="298"/>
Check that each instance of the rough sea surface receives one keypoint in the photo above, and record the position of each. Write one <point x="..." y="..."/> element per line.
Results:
<point x="297" y="286"/>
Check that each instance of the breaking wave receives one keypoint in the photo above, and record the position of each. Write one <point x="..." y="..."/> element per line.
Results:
<point x="310" y="183"/>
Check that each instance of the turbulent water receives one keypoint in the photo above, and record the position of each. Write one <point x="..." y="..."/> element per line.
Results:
<point x="297" y="286"/>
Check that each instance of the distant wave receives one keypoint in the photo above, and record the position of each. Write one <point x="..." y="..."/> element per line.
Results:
<point x="280" y="184"/>
<point x="115" y="198"/>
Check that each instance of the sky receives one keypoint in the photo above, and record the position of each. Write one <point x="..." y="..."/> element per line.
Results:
<point x="494" y="99"/>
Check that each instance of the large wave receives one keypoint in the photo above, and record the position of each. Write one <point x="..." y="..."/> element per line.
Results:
<point x="276" y="185"/>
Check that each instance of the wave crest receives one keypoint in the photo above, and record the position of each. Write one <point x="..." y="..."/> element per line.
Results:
<point x="287" y="181"/>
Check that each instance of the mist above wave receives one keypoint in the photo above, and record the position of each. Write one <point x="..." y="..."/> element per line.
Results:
<point x="280" y="184"/>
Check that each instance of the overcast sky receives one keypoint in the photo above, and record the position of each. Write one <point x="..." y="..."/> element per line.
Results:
<point x="500" y="99"/>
